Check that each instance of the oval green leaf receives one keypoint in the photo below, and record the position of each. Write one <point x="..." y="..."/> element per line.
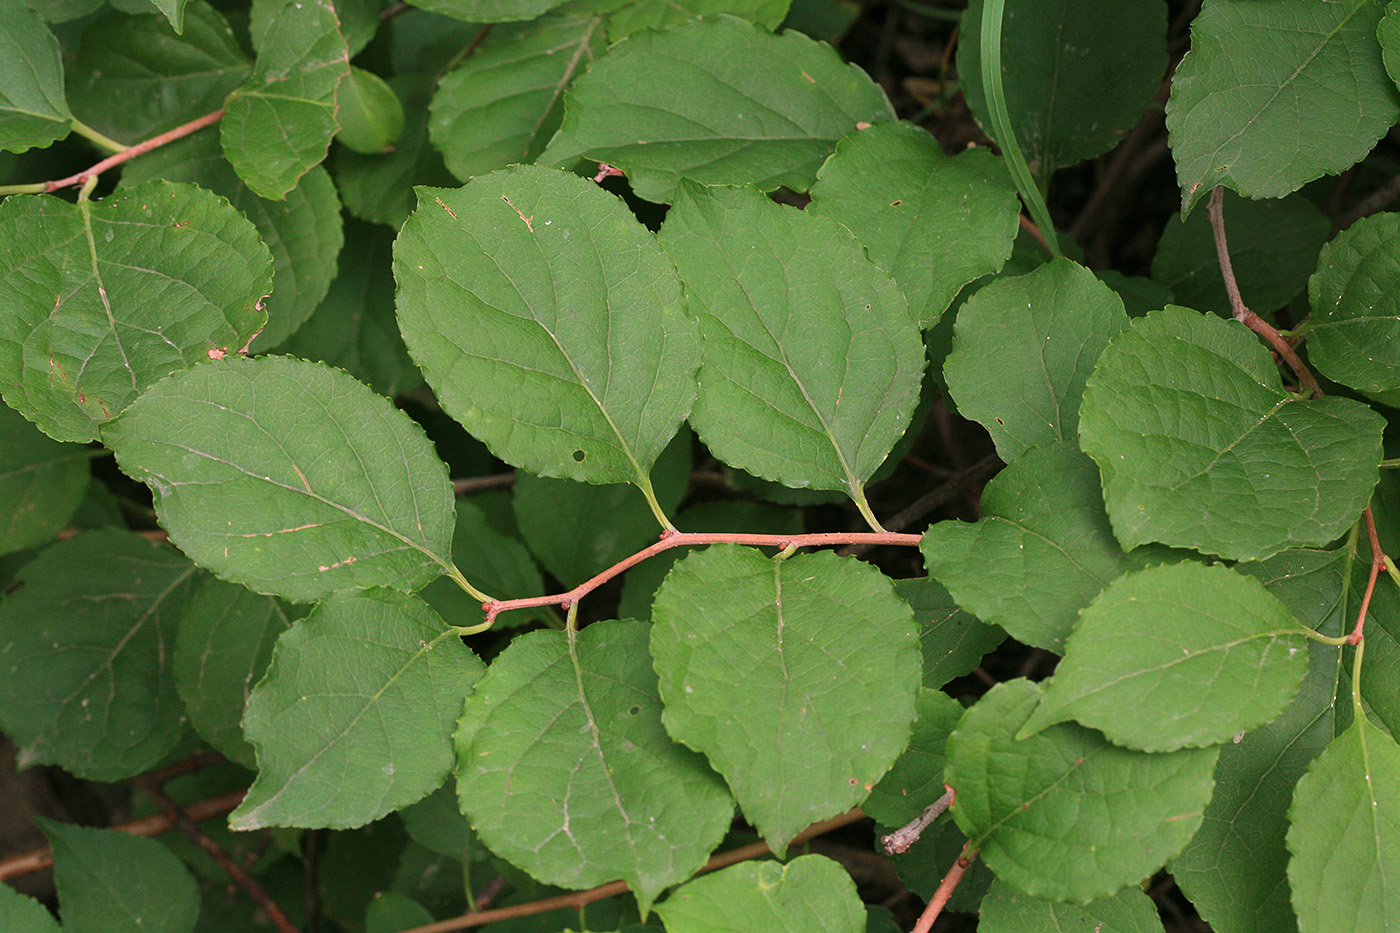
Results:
<point x="253" y="490"/>
<point x="1354" y="330"/>
<point x="548" y="322"/>
<point x="33" y="111"/>
<point x="41" y="483"/>
<point x="354" y="717"/>
<point x="828" y="658"/>
<point x="810" y="894"/>
<point x="1240" y="468"/>
<point x="115" y="882"/>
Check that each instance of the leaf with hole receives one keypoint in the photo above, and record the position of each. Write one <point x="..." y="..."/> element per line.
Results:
<point x="354" y="717"/>
<point x="1274" y="95"/>
<point x="936" y="223"/>
<point x="812" y="362"/>
<point x="565" y="769"/>
<point x="86" y="679"/>
<point x="549" y="323"/>
<point x="1199" y="447"/>
<point x="103" y="299"/>
<point x="1064" y="815"/>
<point x="1185" y="655"/>
<point x="771" y="108"/>
<point x="279" y="122"/>
<point x="300" y="509"/>
<point x="1023" y="348"/>
<point x="818" y="643"/>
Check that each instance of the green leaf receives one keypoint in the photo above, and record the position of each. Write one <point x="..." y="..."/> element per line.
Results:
<point x="810" y="894"/>
<point x="636" y="15"/>
<point x="134" y="78"/>
<point x="369" y="112"/>
<point x="22" y="914"/>
<point x="354" y="718"/>
<point x="303" y="231"/>
<point x="279" y="122"/>
<point x="354" y="327"/>
<point x="1006" y="910"/>
<point x="33" y="111"/>
<point x="828" y="659"/>
<point x="1200" y="448"/>
<point x="1081" y="75"/>
<point x="1345" y="835"/>
<point x="953" y="641"/>
<point x="935" y="223"/>
<point x="1041" y="551"/>
<point x="222" y="649"/>
<point x="1023" y="348"/>
<point x="548" y="322"/>
<point x="391" y="912"/>
<point x="1354" y="329"/>
<point x="1064" y="815"/>
<point x="1273" y="245"/>
<point x="114" y="882"/>
<point x="103" y="299"/>
<point x="1180" y="656"/>
<point x="41" y="483"/>
<point x="566" y="771"/>
<point x="1274" y="95"/>
<point x="86" y="679"/>
<point x="771" y="108"/>
<point x="579" y="531"/>
<point x="251" y="489"/>
<point x="812" y="362"/>
<point x="489" y="11"/>
<point x="502" y="104"/>
<point x="916" y="779"/>
<point x="1234" y="869"/>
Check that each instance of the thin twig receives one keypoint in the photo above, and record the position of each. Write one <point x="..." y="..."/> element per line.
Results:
<point x="462" y="487"/>
<point x="154" y="825"/>
<point x="1377" y="565"/>
<point x="1237" y="306"/>
<point x="1377" y="200"/>
<point x="980" y="471"/>
<point x="582" y="898"/>
<point x="236" y="872"/>
<point x="155" y="142"/>
<point x="672" y="539"/>
<point x="945" y="890"/>
<point x="1116" y="174"/>
<point x="901" y="839"/>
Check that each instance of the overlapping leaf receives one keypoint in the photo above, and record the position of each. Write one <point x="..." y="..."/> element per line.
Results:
<point x="548" y="322"/>
<point x="253" y="490"/>
<point x="1006" y="910"/>
<point x="916" y="779"/>
<point x="23" y="914"/>
<point x="489" y="11"/>
<point x="86" y="672"/>
<point x="354" y="718"/>
<point x="935" y="223"/>
<point x="1180" y="656"/>
<point x="303" y="230"/>
<point x="1354" y="330"/>
<point x="1234" y="869"/>
<point x="1199" y="447"/>
<point x="1273" y="248"/>
<point x="1346" y="825"/>
<point x="812" y="361"/>
<point x="565" y="768"/>
<point x="279" y="122"/>
<point x="224" y="642"/>
<point x="114" y="882"/>
<point x="1273" y="95"/>
<point x="810" y="894"/>
<point x="41" y="483"/>
<point x="103" y="299"/>
<point x="953" y="640"/>
<point x="133" y="77"/>
<point x="33" y="111"/>
<point x="828" y="659"/>
<point x="1023" y="348"/>
<point x="495" y="563"/>
<point x="502" y="104"/>
<point x="1041" y="551"/>
<point x="1083" y="73"/>
<point x="739" y="106"/>
<point x="1064" y="815"/>
<point x="631" y="16"/>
